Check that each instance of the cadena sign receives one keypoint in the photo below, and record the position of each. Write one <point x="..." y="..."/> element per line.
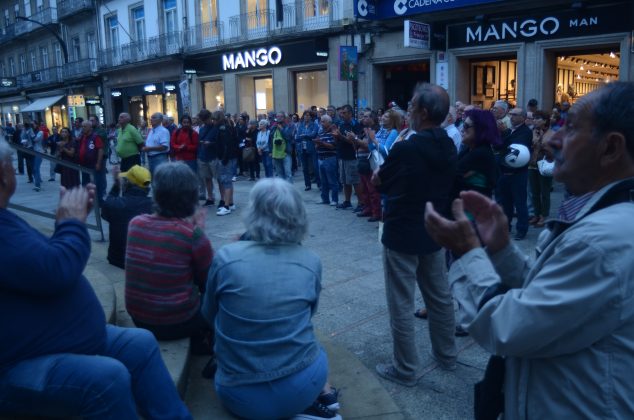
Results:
<point x="254" y="58"/>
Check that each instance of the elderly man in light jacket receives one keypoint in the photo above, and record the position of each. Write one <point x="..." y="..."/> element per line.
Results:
<point x="564" y="324"/>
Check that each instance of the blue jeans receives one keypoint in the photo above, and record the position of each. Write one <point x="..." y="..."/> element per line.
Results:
<point x="310" y="164"/>
<point x="511" y="196"/>
<point x="267" y="161"/>
<point x="37" y="178"/>
<point x="193" y="165"/>
<point x="155" y="161"/>
<point x="282" y="398"/>
<point x="283" y="168"/>
<point x="127" y="374"/>
<point x="329" y="179"/>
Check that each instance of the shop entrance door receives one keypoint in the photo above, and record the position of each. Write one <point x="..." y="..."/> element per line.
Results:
<point x="493" y="79"/>
<point x="401" y="79"/>
<point x="256" y="94"/>
<point x="580" y="72"/>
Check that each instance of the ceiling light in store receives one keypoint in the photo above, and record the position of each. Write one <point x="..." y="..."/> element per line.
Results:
<point x="581" y="68"/>
<point x="578" y="76"/>
<point x="612" y="55"/>
<point x="596" y="79"/>
<point x="63" y="106"/>
<point x="301" y="78"/>
<point x="589" y="72"/>
<point x="561" y="58"/>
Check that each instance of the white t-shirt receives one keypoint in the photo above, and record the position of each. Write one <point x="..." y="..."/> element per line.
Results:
<point x="454" y="134"/>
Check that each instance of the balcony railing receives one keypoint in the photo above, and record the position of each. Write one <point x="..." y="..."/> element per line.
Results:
<point x="308" y="16"/>
<point x="206" y="35"/>
<point x="45" y="17"/>
<point x="262" y="23"/>
<point x="145" y="49"/>
<point x="320" y="14"/>
<point x="41" y="77"/>
<point x="80" y="68"/>
<point x="68" y="7"/>
<point x="7" y="33"/>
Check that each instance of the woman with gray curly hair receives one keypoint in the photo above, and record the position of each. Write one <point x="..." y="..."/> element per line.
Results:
<point x="261" y="294"/>
<point x="167" y="260"/>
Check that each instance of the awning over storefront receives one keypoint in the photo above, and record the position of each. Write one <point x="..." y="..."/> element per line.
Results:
<point x="42" y="103"/>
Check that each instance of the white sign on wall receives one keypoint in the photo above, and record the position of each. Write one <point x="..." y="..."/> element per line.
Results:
<point x="442" y="75"/>
<point x="416" y="34"/>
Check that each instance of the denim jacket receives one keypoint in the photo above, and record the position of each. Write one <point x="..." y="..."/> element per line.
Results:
<point x="260" y="299"/>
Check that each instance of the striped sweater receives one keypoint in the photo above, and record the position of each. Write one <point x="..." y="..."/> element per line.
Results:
<point x="166" y="258"/>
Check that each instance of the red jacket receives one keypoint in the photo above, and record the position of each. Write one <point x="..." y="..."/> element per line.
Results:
<point x="184" y="144"/>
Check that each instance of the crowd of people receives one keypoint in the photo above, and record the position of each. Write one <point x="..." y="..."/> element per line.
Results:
<point x="446" y="181"/>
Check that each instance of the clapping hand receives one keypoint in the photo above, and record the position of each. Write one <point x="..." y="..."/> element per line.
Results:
<point x="459" y="235"/>
<point x="75" y="203"/>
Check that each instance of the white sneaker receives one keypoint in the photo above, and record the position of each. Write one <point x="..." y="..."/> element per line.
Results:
<point x="223" y="211"/>
<point x="232" y="207"/>
<point x="234" y="179"/>
<point x="334" y="203"/>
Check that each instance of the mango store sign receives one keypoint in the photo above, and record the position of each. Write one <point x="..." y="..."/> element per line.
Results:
<point x="251" y="59"/>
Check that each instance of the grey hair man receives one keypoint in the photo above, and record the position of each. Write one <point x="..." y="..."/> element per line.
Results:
<point x="564" y="322"/>
<point x="500" y="110"/>
<point x="157" y="144"/>
<point x="416" y="171"/>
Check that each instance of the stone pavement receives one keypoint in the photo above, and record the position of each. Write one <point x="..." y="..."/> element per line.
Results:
<point x="352" y="319"/>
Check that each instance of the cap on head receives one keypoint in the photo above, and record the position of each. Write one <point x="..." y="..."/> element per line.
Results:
<point x="138" y="176"/>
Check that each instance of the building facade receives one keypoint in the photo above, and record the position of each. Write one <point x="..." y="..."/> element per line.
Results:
<point x="485" y="50"/>
<point x="256" y="56"/>
<point x="48" y="61"/>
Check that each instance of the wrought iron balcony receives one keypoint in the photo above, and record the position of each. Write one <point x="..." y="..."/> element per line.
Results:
<point x="7" y="33"/>
<point x="45" y="17"/>
<point x="80" y="68"/>
<point x="145" y="49"/>
<point x="262" y="23"/>
<point x="320" y="14"/>
<point x="70" y="7"/>
<point x="206" y="35"/>
<point x="308" y="15"/>
<point x="41" y="77"/>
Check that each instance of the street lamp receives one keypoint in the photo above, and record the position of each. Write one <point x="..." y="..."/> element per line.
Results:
<point x="52" y="31"/>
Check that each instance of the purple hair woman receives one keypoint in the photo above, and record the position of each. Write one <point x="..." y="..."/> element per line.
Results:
<point x="477" y="167"/>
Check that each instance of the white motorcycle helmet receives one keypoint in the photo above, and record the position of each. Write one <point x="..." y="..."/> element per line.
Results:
<point x="517" y="156"/>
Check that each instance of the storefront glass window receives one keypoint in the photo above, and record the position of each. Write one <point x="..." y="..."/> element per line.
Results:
<point x="263" y="94"/>
<point x="311" y="88"/>
<point x="580" y="74"/>
<point x="171" y="108"/>
<point x="493" y="80"/>
<point x="214" y="95"/>
<point x="154" y="104"/>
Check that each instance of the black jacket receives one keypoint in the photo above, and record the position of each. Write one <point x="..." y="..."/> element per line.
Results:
<point x="118" y="211"/>
<point x="521" y="135"/>
<point x="416" y="171"/>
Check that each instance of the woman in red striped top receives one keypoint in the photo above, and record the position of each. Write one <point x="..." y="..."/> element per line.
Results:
<point x="167" y="259"/>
